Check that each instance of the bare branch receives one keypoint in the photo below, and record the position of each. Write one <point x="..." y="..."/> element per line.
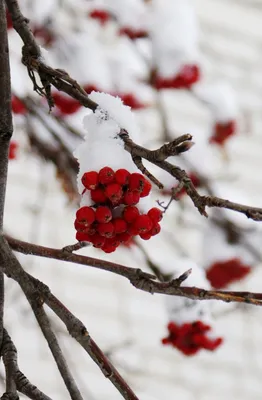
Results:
<point x="9" y="354"/>
<point x="35" y="289"/>
<point x="60" y="254"/>
<point x="141" y="280"/>
<point x="44" y="323"/>
<point x="6" y="130"/>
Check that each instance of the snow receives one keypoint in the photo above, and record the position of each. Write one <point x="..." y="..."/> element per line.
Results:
<point x="102" y="146"/>
<point x="220" y="98"/>
<point x="174" y="35"/>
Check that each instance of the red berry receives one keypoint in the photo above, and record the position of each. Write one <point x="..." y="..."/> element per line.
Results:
<point x="90" y="180"/>
<point x="90" y="230"/>
<point x="97" y="240"/>
<point x="113" y="192"/>
<point x="18" y="107"/>
<point x="122" y="176"/>
<point x="155" y="214"/>
<point x="82" y="237"/>
<point x="101" y="15"/>
<point x="145" y="236"/>
<point x="12" y="150"/>
<point x="120" y="225"/>
<point x="66" y="104"/>
<point x="155" y="230"/>
<point x="131" y="198"/>
<point x="108" y="249"/>
<point x="132" y="230"/>
<point x="136" y="182"/>
<point x="112" y="242"/>
<point x="130" y="213"/>
<point x="103" y="214"/>
<point x="98" y="196"/>
<point x="124" y="237"/>
<point x="85" y="216"/>
<point x="79" y="227"/>
<point x="143" y="224"/>
<point x="130" y="100"/>
<point x="146" y="190"/>
<point x="106" y="175"/>
<point x="106" y="229"/>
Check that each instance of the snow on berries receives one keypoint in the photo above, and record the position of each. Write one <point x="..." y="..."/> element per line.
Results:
<point x="114" y="194"/>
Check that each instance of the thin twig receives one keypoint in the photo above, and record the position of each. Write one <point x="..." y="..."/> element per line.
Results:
<point x="74" y="247"/>
<point x="53" y="344"/>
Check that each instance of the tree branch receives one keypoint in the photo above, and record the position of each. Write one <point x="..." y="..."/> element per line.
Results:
<point x="44" y="323"/>
<point x="138" y="278"/>
<point x="62" y="81"/>
<point x="6" y="130"/>
<point x="35" y="289"/>
<point x="9" y="354"/>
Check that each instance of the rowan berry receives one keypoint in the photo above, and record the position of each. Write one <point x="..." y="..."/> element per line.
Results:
<point x="143" y="224"/>
<point x="114" y="241"/>
<point x="85" y="216"/>
<point x="108" y="249"/>
<point x="90" y="180"/>
<point x="106" y="229"/>
<point x="133" y="230"/>
<point x="97" y="240"/>
<point x="106" y="175"/>
<point x="113" y="192"/>
<point x="155" y="214"/>
<point x="146" y="189"/>
<point x="120" y="225"/>
<point x="79" y="227"/>
<point x="130" y="213"/>
<point x="103" y="214"/>
<point x="136" y="182"/>
<point x="131" y="197"/>
<point x="82" y="237"/>
<point x="98" y="196"/>
<point x="124" y="237"/>
<point x="145" y="236"/>
<point x="122" y="176"/>
<point x="155" y="230"/>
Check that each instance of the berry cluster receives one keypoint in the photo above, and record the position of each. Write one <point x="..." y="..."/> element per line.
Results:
<point x="186" y="77"/>
<point x="222" y="131"/>
<point x="222" y="273"/>
<point x="189" y="338"/>
<point x="114" y="219"/>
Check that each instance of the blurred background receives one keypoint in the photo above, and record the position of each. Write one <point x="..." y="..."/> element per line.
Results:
<point x="183" y="67"/>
